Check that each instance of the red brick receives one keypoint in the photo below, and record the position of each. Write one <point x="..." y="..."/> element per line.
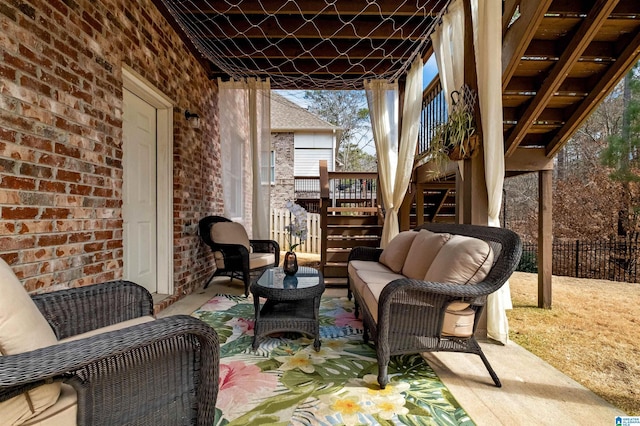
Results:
<point x="80" y="189"/>
<point x="36" y="171"/>
<point x="53" y="240"/>
<point x="81" y="237"/>
<point x="35" y="226"/>
<point x="68" y="176"/>
<point x="10" y="258"/>
<point x="20" y="183"/>
<point x="17" y="242"/>
<point x="36" y="142"/>
<point x="35" y="85"/>
<point x="13" y="213"/>
<point x="103" y="235"/>
<point x="55" y="213"/>
<point x="91" y="247"/>
<point x="96" y="268"/>
<point x="55" y="187"/>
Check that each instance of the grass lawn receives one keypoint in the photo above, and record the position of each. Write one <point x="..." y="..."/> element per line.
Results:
<point x="591" y="333"/>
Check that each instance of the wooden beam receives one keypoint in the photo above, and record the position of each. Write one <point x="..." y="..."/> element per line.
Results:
<point x="528" y="160"/>
<point x="284" y="27"/>
<point x="317" y="49"/>
<point x="600" y="90"/>
<point x="315" y="7"/>
<point x="509" y="8"/>
<point x="545" y="238"/>
<point x="519" y="35"/>
<point x="579" y="42"/>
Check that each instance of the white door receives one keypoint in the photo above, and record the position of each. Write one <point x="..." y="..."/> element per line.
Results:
<point x="139" y="209"/>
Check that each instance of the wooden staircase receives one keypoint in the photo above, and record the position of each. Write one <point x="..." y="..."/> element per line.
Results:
<point x="345" y="230"/>
<point x="438" y="201"/>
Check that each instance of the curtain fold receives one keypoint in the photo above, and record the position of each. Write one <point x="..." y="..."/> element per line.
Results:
<point x="448" y="46"/>
<point x="260" y="137"/>
<point x="245" y="144"/>
<point x="487" y="35"/>
<point x="395" y="163"/>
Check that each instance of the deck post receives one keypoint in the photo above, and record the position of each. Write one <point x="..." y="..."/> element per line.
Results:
<point x="545" y="237"/>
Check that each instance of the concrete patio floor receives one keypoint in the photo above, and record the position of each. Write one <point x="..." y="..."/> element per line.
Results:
<point x="532" y="393"/>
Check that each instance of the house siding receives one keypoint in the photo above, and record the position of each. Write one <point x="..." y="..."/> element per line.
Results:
<point x="283" y="190"/>
<point x="61" y="139"/>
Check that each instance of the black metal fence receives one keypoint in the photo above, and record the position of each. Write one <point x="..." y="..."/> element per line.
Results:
<point x="615" y="260"/>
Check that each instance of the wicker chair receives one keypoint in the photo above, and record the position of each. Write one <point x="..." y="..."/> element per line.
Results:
<point x="163" y="371"/>
<point x="230" y="245"/>
<point x="411" y="312"/>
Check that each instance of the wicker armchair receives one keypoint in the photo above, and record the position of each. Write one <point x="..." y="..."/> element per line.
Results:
<point x="237" y="256"/>
<point x="411" y="312"/>
<point x="162" y="371"/>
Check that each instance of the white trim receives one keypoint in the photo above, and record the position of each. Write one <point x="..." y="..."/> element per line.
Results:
<point x="139" y="86"/>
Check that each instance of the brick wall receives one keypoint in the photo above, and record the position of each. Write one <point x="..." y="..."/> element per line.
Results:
<point x="61" y="138"/>
<point x="283" y="190"/>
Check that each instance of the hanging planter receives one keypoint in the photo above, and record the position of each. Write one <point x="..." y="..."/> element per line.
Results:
<point x="455" y="139"/>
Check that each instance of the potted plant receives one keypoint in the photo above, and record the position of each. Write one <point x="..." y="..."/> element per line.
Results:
<point x="455" y="139"/>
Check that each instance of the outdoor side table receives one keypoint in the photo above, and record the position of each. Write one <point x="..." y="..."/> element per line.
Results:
<point x="292" y="303"/>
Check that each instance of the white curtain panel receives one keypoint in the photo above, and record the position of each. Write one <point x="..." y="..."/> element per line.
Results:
<point x="382" y="98"/>
<point x="245" y="144"/>
<point x="487" y="37"/>
<point x="234" y="134"/>
<point x="395" y="163"/>
<point x="260" y="136"/>
<point x="448" y="46"/>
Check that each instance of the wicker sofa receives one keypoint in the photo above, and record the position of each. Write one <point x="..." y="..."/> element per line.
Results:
<point x="426" y="290"/>
<point x="95" y="355"/>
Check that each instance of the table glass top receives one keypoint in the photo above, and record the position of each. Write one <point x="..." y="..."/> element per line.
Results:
<point x="276" y="278"/>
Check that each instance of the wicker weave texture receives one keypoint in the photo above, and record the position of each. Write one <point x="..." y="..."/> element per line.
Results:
<point x="160" y="372"/>
<point x="410" y="312"/>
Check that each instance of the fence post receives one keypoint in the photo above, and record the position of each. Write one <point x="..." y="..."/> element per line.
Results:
<point x="577" y="257"/>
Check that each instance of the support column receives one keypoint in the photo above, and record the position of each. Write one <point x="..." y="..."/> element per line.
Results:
<point x="475" y="204"/>
<point x="545" y="237"/>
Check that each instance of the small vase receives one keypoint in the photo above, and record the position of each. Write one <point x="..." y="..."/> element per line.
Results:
<point x="290" y="263"/>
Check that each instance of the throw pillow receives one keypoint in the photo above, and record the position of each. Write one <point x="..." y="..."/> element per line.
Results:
<point x="23" y="329"/>
<point x="422" y="253"/>
<point x="462" y="260"/>
<point x="395" y="252"/>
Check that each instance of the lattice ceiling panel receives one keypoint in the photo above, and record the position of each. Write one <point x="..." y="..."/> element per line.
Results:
<point x="308" y="44"/>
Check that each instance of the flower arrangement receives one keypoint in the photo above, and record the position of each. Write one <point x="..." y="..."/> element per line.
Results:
<point x="298" y="226"/>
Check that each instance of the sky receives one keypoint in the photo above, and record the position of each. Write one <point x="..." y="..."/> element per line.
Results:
<point x="430" y="70"/>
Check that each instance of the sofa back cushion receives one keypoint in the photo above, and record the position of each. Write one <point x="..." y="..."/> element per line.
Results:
<point x="228" y="233"/>
<point x="462" y="260"/>
<point x="23" y="329"/>
<point x="424" y="248"/>
<point x="395" y="253"/>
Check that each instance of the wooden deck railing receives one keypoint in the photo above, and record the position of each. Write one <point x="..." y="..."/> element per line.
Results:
<point x="349" y="217"/>
<point x="434" y="112"/>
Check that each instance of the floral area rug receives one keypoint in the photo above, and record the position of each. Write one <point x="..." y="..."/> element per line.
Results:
<point x="286" y="382"/>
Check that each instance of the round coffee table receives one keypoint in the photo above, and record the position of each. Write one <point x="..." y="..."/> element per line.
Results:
<point x="292" y="303"/>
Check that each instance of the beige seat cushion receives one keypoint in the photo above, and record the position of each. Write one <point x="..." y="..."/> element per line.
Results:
<point x="23" y="329"/>
<point x="369" y="285"/>
<point x="462" y="260"/>
<point x="228" y="233"/>
<point x="395" y="253"/>
<point x="260" y="260"/>
<point x="366" y="265"/>
<point x="63" y="412"/>
<point x="113" y="327"/>
<point x="424" y="248"/>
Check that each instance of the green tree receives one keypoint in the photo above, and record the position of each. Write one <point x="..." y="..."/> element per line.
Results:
<point x="348" y="110"/>
<point x="621" y="154"/>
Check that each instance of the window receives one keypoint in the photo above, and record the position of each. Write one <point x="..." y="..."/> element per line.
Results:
<point x="272" y="168"/>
